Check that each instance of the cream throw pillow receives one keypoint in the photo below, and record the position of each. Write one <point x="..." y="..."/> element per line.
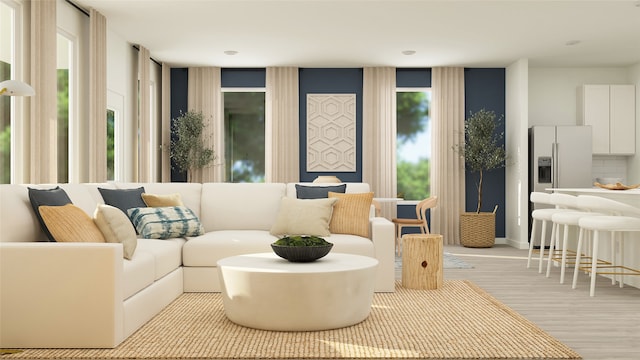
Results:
<point x="303" y="217"/>
<point x="116" y="228"/>
<point x="69" y="223"/>
<point x="153" y="200"/>
<point x="351" y="213"/>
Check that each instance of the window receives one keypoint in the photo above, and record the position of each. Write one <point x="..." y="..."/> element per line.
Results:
<point x="244" y="135"/>
<point x="413" y="153"/>
<point x="115" y="138"/>
<point x="7" y="15"/>
<point x="65" y="76"/>
<point x="111" y="140"/>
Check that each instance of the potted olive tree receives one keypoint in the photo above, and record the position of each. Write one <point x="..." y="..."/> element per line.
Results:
<point x="188" y="150"/>
<point x="483" y="151"/>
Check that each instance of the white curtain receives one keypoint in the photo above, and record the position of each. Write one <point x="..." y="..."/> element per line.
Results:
<point x="43" y="122"/>
<point x="447" y="168"/>
<point x="144" y="115"/>
<point x="165" y="142"/>
<point x="379" y="134"/>
<point x="97" y="97"/>
<point x="204" y="96"/>
<point x="282" y="123"/>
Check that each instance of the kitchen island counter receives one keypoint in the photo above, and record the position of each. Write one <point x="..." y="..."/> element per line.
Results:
<point x="631" y="196"/>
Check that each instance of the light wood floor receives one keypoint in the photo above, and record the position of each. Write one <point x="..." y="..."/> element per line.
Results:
<point x="606" y="326"/>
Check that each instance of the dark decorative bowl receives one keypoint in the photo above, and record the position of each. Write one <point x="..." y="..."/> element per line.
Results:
<point x="301" y="253"/>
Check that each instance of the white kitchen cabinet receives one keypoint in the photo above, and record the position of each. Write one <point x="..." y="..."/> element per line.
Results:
<point x="611" y="112"/>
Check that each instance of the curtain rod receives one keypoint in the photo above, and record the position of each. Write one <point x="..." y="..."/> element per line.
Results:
<point x="152" y="59"/>
<point x="87" y="13"/>
<point x="77" y="7"/>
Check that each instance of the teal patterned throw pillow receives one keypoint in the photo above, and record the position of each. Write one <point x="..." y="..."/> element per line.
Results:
<point x="165" y="222"/>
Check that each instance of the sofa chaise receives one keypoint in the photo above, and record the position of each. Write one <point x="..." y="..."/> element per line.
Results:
<point x="87" y="295"/>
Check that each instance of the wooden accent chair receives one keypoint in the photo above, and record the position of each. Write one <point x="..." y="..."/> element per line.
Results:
<point x="420" y="221"/>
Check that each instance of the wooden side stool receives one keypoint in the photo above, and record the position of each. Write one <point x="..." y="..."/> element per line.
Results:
<point x="422" y="261"/>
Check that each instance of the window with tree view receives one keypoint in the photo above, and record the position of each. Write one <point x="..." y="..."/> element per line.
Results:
<point x="413" y="152"/>
<point x="7" y="34"/>
<point x="5" y="128"/>
<point x="111" y="127"/>
<point x="244" y="136"/>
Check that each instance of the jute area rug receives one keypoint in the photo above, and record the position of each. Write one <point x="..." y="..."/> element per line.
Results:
<point x="458" y="321"/>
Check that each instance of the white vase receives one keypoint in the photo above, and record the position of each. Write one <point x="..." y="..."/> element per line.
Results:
<point x="327" y="179"/>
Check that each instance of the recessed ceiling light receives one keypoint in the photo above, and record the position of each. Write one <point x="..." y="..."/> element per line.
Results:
<point x="230" y="52"/>
<point x="409" y="52"/>
<point x="572" y="42"/>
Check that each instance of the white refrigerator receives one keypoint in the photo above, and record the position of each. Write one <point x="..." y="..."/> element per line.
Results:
<point x="559" y="157"/>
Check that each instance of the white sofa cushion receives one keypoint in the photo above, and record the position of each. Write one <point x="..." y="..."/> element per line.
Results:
<point x="167" y="254"/>
<point x="190" y="193"/>
<point x="85" y="196"/>
<point x="17" y="218"/>
<point x="138" y="273"/>
<point x="246" y="206"/>
<point x="351" y="244"/>
<point x="207" y="249"/>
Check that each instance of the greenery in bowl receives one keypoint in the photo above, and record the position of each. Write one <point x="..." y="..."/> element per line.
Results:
<point x="301" y="240"/>
<point x="301" y="248"/>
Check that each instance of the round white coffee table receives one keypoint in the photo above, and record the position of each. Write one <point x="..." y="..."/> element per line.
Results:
<point x="264" y="291"/>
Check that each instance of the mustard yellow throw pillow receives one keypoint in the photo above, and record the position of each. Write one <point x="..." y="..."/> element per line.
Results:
<point x="69" y="223"/>
<point x="153" y="200"/>
<point x="351" y="213"/>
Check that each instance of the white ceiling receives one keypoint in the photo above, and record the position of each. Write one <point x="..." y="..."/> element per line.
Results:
<point x="357" y="33"/>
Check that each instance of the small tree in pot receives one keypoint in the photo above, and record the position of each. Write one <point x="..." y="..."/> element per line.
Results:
<point x="483" y="151"/>
<point x="188" y="150"/>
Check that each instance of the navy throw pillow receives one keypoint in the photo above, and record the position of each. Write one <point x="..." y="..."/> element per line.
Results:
<point x="318" y="192"/>
<point x="123" y="199"/>
<point x="48" y="197"/>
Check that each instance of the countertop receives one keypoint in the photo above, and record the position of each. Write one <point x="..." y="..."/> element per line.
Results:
<point x="631" y="197"/>
<point x="597" y="191"/>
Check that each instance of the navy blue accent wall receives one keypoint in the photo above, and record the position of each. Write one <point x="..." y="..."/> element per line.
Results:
<point x="412" y="77"/>
<point x="245" y="77"/>
<point x="485" y="88"/>
<point x="179" y="87"/>
<point x="330" y="81"/>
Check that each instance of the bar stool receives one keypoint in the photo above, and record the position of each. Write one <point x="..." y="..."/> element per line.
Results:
<point x="620" y="218"/>
<point x="544" y="216"/>
<point x="566" y="221"/>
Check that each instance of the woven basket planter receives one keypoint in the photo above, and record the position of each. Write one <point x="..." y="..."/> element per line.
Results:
<point x="478" y="230"/>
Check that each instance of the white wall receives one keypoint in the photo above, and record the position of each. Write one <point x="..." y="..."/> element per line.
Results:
<point x="516" y="192"/>
<point x="122" y="86"/>
<point x="553" y="100"/>
<point x="552" y="91"/>
<point x="633" y="162"/>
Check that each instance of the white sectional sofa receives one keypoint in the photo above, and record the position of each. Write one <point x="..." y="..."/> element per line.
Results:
<point x="87" y="295"/>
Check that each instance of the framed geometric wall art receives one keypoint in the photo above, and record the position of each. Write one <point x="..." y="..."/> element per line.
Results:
<point x="331" y="132"/>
